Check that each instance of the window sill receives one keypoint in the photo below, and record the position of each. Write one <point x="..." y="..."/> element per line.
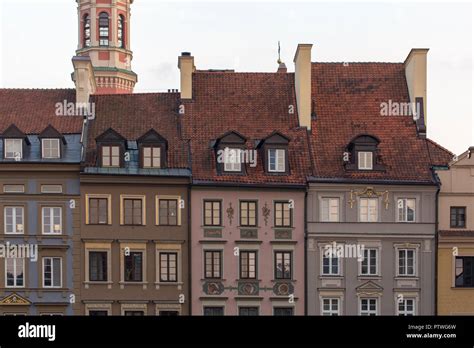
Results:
<point x="142" y="284"/>
<point x="463" y="288"/>
<point x="178" y="285"/>
<point x="331" y="276"/>
<point x="89" y="283"/>
<point x="369" y="277"/>
<point x="412" y="277"/>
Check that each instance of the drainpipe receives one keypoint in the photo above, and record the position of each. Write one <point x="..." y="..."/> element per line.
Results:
<point x="436" y="249"/>
<point x="305" y="253"/>
<point x="190" y="310"/>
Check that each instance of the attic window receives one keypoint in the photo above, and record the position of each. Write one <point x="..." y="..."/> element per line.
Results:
<point x="50" y="148"/>
<point x="275" y="154"/>
<point x="111" y="149"/>
<point x="110" y="156"/>
<point x="14" y="149"/>
<point x="276" y="160"/>
<point x="232" y="161"/>
<point x="153" y="148"/>
<point x="365" y="160"/>
<point x="151" y="156"/>
<point x="364" y="154"/>
<point x="229" y="149"/>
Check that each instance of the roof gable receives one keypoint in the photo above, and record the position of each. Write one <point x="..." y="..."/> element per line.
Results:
<point x="110" y="136"/>
<point x="151" y="137"/>
<point x="231" y="137"/>
<point x="51" y="133"/>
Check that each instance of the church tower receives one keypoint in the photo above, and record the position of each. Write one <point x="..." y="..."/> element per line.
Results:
<point x="104" y="36"/>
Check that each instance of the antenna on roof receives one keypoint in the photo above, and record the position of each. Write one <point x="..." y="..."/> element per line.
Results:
<point x="279" y="53"/>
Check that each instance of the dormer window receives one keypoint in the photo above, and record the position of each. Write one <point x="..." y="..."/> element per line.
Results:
<point x="276" y="160"/>
<point x="50" y="148"/>
<point x="110" y="156"/>
<point x="153" y="148"/>
<point x="232" y="160"/>
<point x="275" y="154"/>
<point x="14" y="149"/>
<point x="151" y="157"/>
<point x="229" y="150"/>
<point x="365" y="160"/>
<point x="111" y="149"/>
<point x="363" y="154"/>
<point x="14" y="143"/>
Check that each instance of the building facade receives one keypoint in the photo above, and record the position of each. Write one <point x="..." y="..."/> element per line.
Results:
<point x="456" y="237"/>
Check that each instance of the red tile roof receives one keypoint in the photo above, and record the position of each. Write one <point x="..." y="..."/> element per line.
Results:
<point x="252" y="104"/>
<point x="132" y="115"/>
<point x="346" y="100"/>
<point x="438" y="154"/>
<point x="31" y="110"/>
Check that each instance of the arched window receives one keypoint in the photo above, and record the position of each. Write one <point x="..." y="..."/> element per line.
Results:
<point x="87" y="31"/>
<point x="121" y="32"/>
<point x="103" y="29"/>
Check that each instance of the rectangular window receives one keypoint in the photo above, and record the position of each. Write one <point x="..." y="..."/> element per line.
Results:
<point x="14" y="270"/>
<point x="458" y="217"/>
<point x="133" y="267"/>
<point x="283" y="264"/>
<point x="232" y="160"/>
<point x="330" y="307"/>
<point x="213" y="311"/>
<point x="51" y="189"/>
<point x="133" y="212"/>
<point x="368" y="210"/>
<point x="98" y="262"/>
<point x="248" y="311"/>
<point x="330" y="264"/>
<point x="213" y="263"/>
<point x="168" y="212"/>
<point x="283" y="311"/>
<point x="50" y="148"/>
<point x="365" y="160"/>
<point x="368" y="306"/>
<point x="283" y="216"/>
<point x="169" y="313"/>
<point x="13" y="149"/>
<point x="330" y="210"/>
<point x="212" y="213"/>
<point x="134" y="313"/>
<point x="406" y="307"/>
<point x="151" y="157"/>
<point x="98" y="313"/>
<point x="406" y="262"/>
<point x="369" y="262"/>
<point x="98" y="211"/>
<point x="110" y="156"/>
<point x="14" y="188"/>
<point x="52" y="217"/>
<point x="52" y="272"/>
<point x="276" y="160"/>
<point x="406" y="209"/>
<point x="464" y="272"/>
<point x="168" y="267"/>
<point x="248" y="213"/>
<point x="248" y="264"/>
<point x="14" y="223"/>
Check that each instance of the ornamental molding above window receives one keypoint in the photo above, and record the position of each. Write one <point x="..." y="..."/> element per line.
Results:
<point x="369" y="192"/>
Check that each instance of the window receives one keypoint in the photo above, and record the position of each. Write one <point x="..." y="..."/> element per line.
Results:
<point x="283" y="265"/>
<point x="458" y="217"/>
<point x="213" y="311"/>
<point x="120" y="33"/>
<point x="98" y="313"/>
<point x="406" y="262"/>
<point x="330" y="307"/>
<point x="248" y="311"/>
<point x="133" y="211"/>
<point x="168" y="212"/>
<point x="212" y="213"/>
<point x="283" y="216"/>
<point x="110" y="156"/>
<point x="369" y="262"/>
<point x="51" y="188"/>
<point x="368" y="211"/>
<point x="15" y="269"/>
<point x="406" y="210"/>
<point x="168" y="267"/>
<point x="87" y="31"/>
<point x="14" y="223"/>
<point x="52" y="272"/>
<point x="283" y="311"/>
<point x="406" y="307"/>
<point x="276" y="160"/>
<point x="330" y="264"/>
<point x="98" y="211"/>
<point x="213" y="262"/>
<point x="368" y="306"/>
<point x="169" y="313"/>
<point x="248" y="213"/>
<point x="50" y="148"/>
<point x="134" y="313"/>
<point x="365" y="160"/>
<point x="330" y="210"/>
<point x="232" y="160"/>
<point x="14" y="188"/>
<point x="52" y="220"/>
<point x="98" y="261"/>
<point x="133" y="266"/>
<point x="248" y="264"/>
<point x="14" y="149"/>
<point x="103" y="29"/>
<point x="464" y="272"/>
<point x="151" y="157"/>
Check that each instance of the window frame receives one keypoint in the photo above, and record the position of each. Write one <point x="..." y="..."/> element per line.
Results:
<point x="14" y="218"/>
<point x="369" y="264"/>
<point x="331" y="311"/>
<point x="5" y="146"/>
<point x="405" y="311"/>
<point x="52" y="258"/>
<point x="331" y="258"/>
<point x="168" y="268"/>
<point x="404" y="207"/>
<point x="213" y="265"/>
<point x="142" y="266"/>
<point x="369" y="311"/>
<point x="104" y="41"/>
<point x="160" y="219"/>
<point x="110" y="156"/>
<point x="406" y="250"/>
<point x="462" y="259"/>
<point x="377" y="217"/>
<point x="249" y="270"/>
<point x="43" y="148"/>
<point x="249" y="308"/>
<point x="86" y="31"/>
<point x="141" y="210"/>
<point x="213" y="201"/>
<point x="152" y="148"/>
<point x="329" y="206"/>
<point x="108" y="214"/>
<point x="248" y="202"/>
<point x="121" y="31"/>
<point x="107" y="269"/>
<point x="457" y="220"/>
<point x="366" y="166"/>
<point x="283" y="215"/>
<point x="205" y="308"/>
<point x="15" y="276"/>
<point x="51" y="209"/>
<point x="277" y="158"/>
<point x="275" y="264"/>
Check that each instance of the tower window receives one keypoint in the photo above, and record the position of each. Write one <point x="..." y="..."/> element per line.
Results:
<point x="87" y="31"/>
<point x="121" y="38"/>
<point x="104" y="29"/>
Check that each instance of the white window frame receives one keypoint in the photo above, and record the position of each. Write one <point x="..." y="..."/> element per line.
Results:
<point x="15" y="279"/>
<point x="155" y="161"/>
<point x="333" y="212"/>
<point x="331" y="312"/>
<point x="52" y="258"/>
<point x="57" y="147"/>
<point x="402" y="204"/>
<point x="415" y="255"/>
<point x="16" y="231"/>
<point x="52" y="217"/>
<point x="377" y="256"/>
<point x="280" y="162"/>
<point x="405" y="311"/>
<point x="110" y="156"/>
<point x="365" y="160"/>
<point x="368" y="312"/>
<point x="330" y="265"/>
<point x="362" y="218"/>
<point x="231" y="166"/>
<point x="9" y="142"/>
<point x="44" y="189"/>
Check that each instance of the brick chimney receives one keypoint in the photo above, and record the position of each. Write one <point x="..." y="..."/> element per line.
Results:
<point x="187" y="68"/>
<point x="303" y="84"/>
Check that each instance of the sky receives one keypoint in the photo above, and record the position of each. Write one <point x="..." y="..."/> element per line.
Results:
<point x="39" y="37"/>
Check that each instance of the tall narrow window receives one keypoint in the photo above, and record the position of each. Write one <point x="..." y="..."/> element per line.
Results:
<point x="14" y="270"/>
<point x="330" y="264"/>
<point x="248" y="213"/>
<point x="365" y="160"/>
<point x="52" y="220"/>
<point x="248" y="265"/>
<point x="464" y="272"/>
<point x="14" y="220"/>
<point x="133" y="212"/>
<point x="368" y="306"/>
<point x="168" y="267"/>
<point x="330" y="210"/>
<point x="283" y="214"/>
<point x="406" y="307"/>
<point x="283" y="264"/>
<point x="120" y="33"/>
<point x="52" y="272"/>
<point x="212" y="264"/>
<point x="368" y="210"/>
<point x="458" y="217"/>
<point x="406" y="209"/>
<point x="406" y="262"/>
<point x="369" y="262"/>
<point x="103" y="29"/>
<point x="87" y="31"/>
<point x="133" y="267"/>
<point x="98" y="211"/>
<point x="276" y="161"/>
<point x="98" y="261"/>
<point x="212" y="213"/>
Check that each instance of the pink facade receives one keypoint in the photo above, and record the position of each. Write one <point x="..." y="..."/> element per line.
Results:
<point x="230" y="294"/>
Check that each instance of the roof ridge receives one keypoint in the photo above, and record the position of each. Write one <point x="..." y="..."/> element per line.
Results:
<point x="136" y="94"/>
<point x="438" y="145"/>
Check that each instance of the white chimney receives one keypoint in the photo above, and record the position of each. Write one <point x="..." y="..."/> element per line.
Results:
<point x="84" y="79"/>
<point x="416" y="75"/>
<point x="303" y="84"/>
<point x="186" y="67"/>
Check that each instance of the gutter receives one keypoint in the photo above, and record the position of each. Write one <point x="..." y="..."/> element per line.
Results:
<point x="436" y="178"/>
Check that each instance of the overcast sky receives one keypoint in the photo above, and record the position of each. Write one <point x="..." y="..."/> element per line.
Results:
<point x="39" y="37"/>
